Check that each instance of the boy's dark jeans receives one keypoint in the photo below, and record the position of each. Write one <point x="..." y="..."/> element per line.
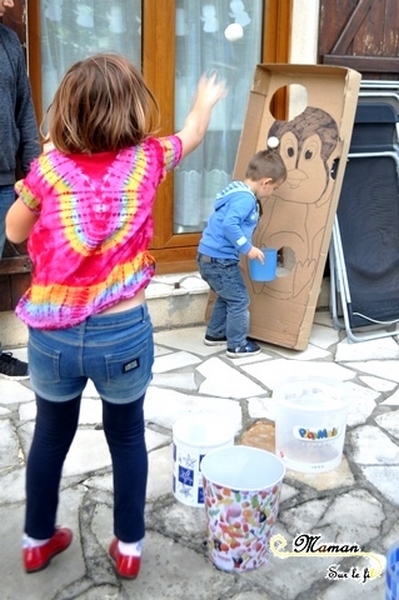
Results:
<point x="230" y="314"/>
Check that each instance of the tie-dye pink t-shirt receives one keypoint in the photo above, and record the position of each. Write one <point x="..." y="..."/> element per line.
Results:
<point x="89" y="247"/>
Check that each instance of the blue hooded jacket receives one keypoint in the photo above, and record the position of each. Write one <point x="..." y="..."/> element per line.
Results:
<point x="230" y="227"/>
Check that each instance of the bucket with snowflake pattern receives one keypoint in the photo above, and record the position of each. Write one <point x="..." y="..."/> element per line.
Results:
<point x="241" y="491"/>
<point x="193" y="437"/>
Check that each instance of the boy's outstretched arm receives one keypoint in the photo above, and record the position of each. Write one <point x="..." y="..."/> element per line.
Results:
<point x="209" y="92"/>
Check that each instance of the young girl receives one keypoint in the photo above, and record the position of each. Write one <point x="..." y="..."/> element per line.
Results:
<point x="86" y="207"/>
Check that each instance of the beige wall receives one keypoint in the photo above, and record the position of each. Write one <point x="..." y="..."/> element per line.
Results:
<point x="305" y="23"/>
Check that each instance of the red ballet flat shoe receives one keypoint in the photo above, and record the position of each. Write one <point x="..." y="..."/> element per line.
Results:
<point x="37" y="558"/>
<point x="126" y="566"/>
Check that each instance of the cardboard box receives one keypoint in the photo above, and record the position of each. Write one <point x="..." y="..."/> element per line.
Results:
<point x="298" y="218"/>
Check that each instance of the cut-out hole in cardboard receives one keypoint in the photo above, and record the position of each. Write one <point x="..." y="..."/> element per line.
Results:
<point x="285" y="261"/>
<point x="296" y="97"/>
<point x="334" y="168"/>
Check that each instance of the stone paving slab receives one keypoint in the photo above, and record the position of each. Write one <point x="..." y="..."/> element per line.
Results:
<point x="356" y="503"/>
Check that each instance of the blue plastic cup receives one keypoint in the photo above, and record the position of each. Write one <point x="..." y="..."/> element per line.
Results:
<point x="392" y="574"/>
<point x="267" y="270"/>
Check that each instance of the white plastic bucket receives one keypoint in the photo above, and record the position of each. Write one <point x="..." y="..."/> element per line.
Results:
<point x="242" y="492"/>
<point x="310" y="423"/>
<point x="193" y="437"/>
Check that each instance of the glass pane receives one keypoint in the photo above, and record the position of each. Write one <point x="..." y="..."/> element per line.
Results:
<point x="71" y="30"/>
<point x="201" y="46"/>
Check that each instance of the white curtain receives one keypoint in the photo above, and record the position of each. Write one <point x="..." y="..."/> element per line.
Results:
<point x="73" y="29"/>
<point x="201" y="46"/>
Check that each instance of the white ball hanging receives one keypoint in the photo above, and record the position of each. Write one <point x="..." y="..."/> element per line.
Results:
<point x="233" y="32"/>
<point x="273" y="142"/>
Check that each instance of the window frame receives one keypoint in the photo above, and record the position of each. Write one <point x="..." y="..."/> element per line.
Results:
<point x="173" y="252"/>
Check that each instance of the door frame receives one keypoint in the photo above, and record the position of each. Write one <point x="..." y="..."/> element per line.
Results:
<point x="172" y="252"/>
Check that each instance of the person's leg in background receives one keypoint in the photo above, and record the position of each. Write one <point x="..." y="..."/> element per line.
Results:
<point x="10" y="367"/>
<point x="55" y="428"/>
<point x="7" y="197"/>
<point x="124" y="431"/>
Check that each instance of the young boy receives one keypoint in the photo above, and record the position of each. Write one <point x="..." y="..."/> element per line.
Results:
<point x="227" y="235"/>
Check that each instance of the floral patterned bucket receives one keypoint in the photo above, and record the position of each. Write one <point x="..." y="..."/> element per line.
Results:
<point x="241" y="491"/>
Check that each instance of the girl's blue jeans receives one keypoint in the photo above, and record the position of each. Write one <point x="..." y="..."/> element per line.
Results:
<point x="230" y="314"/>
<point x="116" y="352"/>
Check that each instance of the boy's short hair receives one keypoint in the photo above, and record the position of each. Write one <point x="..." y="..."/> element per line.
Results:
<point x="266" y="163"/>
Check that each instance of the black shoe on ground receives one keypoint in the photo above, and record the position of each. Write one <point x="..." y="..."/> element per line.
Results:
<point x="12" y="368"/>
<point x="248" y="349"/>
<point x="209" y="340"/>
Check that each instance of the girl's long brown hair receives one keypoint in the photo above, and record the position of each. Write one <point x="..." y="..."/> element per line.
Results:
<point x="101" y="104"/>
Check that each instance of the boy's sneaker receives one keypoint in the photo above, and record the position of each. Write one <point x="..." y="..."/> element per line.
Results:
<point x="12" y="368"/>
<point x="247" y="349"/>
<point x="214" y="341"/>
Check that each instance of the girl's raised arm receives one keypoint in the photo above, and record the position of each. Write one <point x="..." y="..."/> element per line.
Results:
<point x="209" y="92"/>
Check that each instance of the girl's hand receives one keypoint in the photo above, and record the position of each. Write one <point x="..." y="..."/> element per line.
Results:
<point x="209" y="92"/>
